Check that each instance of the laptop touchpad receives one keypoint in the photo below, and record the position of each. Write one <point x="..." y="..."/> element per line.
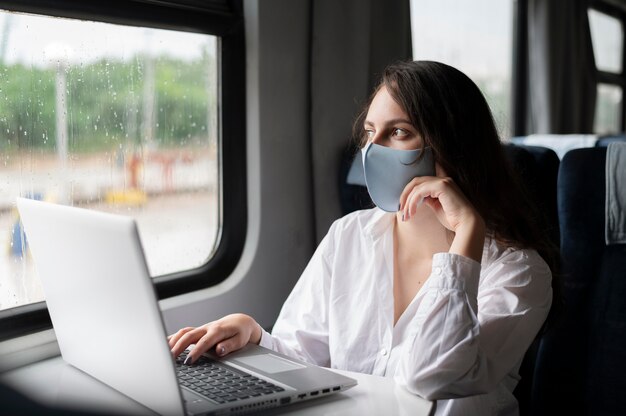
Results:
<point x="269" y="363"/>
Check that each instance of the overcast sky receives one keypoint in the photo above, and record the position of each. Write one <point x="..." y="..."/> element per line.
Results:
<point x="36" y="40"/>
<point x="473" y="35"/>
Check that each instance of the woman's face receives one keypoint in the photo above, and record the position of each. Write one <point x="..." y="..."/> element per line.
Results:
<point x="387" y="124"/>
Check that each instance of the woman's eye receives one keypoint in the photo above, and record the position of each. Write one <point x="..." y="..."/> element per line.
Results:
<point x="399" y="133"/>
<point x="369" y="133"/>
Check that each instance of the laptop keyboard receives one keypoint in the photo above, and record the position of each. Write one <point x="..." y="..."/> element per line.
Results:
<point x="219" y="382"/>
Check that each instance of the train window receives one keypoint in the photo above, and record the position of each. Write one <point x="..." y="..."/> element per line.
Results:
<point x="609" y="101"/>
<point x="115" y="118"/>
<point x="132" y="107"/>
<point x="607" y="36"/>
<point x="606" y="23"/>
<point x="475" y="37"/>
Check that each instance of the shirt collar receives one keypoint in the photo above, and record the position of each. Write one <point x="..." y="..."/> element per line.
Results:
<point x="379" y="223"/>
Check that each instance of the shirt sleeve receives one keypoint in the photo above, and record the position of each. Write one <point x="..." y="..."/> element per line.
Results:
<point x="301" y="330"/>
<point x="467" y="340"/>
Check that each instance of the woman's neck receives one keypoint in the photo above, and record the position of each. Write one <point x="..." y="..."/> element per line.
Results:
<point x="421" y="236"/>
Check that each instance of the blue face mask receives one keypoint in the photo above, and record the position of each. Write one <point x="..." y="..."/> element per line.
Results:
<point x="387" y="171"/>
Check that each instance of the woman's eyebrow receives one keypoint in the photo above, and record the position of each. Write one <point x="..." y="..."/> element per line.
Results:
<point x="388" y="122"/>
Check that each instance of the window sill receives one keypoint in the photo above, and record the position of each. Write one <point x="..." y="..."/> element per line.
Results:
<point x="28" y="349"/>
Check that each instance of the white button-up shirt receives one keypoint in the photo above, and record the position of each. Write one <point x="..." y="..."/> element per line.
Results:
<point x="460" y="341"/>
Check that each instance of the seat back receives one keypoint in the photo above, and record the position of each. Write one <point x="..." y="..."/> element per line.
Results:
<point x="606" y="140"/>
<point x="560" y="143"/>
<point x="537" y="168"/>
<point x="581" y="362"/>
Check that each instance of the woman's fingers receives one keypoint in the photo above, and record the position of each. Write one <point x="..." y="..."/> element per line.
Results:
<point x="441" y="195"/>
<point x="173" y="339"/>
<point x="414" y="201"/>
<point x="214" y="334"/>
<point x="416" y="191"/>
<point x="191" y="337"/>
<point x="410" y="186"/>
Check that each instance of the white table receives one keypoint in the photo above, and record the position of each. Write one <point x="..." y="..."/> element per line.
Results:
<point x="54" y="383"/>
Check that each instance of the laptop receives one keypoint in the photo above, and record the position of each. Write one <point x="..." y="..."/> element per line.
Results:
<point x="105" y="314"/>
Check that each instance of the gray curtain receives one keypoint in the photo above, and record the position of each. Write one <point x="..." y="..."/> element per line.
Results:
<point x="561" y="68"/>
<point x="352" y="41"/>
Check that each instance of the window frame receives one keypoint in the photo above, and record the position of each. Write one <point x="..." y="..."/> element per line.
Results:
<point x="222" y="18"/>
<point x="520" y="62"/>
<point x="519" y="68"/>
<point x="612" y="78"/>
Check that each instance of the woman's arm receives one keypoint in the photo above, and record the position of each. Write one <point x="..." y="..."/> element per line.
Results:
<point x="301" y="330"/>
<point x="468" y="340"/>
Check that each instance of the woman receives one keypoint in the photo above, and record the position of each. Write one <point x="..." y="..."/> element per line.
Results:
<point x="447" y="293"/>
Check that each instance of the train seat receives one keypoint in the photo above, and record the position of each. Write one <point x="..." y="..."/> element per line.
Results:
<point x="538" y="169"/>
<point x="605" y="140"/>
<point x="582" y="360"/>
<point x="560" y="143"/>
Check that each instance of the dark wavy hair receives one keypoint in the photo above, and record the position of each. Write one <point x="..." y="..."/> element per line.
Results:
<point x="454" y="119"/>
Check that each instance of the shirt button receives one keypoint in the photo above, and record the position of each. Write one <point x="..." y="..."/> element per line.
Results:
<point x="437" y="270"/>
<point x="383" y="352"/>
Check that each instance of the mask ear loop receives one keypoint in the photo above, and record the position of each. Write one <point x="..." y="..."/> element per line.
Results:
<point x="364" y="152"/>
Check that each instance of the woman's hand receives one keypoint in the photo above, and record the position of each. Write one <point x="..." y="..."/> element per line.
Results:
<point x="228" y="334"/>
<point x="442" y="195"/>
<point x="451" y="208"/>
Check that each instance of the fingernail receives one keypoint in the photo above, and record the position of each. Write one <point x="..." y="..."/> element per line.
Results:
<point x="222" y="350"/>
<point x="188" y="360"/>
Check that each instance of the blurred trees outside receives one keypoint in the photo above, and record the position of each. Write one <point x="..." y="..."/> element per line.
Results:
<point x="104" y="104"/>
